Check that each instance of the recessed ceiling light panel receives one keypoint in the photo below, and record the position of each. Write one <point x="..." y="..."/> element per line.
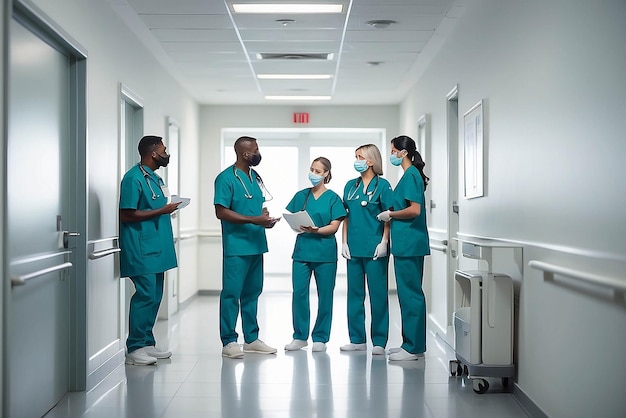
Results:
<point x="290" y="8"/>
<point x="297" y="97"/>
<point x="294" y="76"/>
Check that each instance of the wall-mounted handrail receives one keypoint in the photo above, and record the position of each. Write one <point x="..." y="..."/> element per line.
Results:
<point x="610" y="282"/>
<point x="20" y="280"/>
<point x="441" y="248"/>
<point x="99" y="254"/>
<point x="187" y="236"/>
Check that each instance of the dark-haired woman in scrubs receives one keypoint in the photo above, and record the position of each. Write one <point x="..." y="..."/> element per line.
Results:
<point x="409" y="245"/>
<point x="315" y="252"/>
<point x="365" y="247"/>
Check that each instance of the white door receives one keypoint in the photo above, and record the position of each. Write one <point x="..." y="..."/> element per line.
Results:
<point x="443" y="224"/>
<point x="43" y="232"/>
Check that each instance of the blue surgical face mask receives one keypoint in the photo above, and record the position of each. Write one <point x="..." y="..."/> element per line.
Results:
<point x="360" y="165"/>
<point x="395" y="160"/>
<point x="315" y="179"/>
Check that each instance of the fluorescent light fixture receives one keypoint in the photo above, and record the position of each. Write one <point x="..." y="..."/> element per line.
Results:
<point x="294" y="76"/>
<point x="297" y="97"/>
<point x="291" y="8"/>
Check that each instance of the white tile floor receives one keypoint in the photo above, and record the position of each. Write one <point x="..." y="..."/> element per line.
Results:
<point x="198" y="382"/>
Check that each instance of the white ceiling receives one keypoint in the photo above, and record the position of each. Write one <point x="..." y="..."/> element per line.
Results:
<point x="212" y="51"/>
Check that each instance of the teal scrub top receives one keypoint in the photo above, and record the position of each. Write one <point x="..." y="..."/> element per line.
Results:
<point x="242" y="194"/>
<point x="364" y="230"/>
<point x="409" y="237"/>
<point x="326" y="208"/>
<point x="147" y="246"/>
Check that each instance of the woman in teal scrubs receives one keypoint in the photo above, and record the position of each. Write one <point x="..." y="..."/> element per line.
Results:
<point x="315" y="252"/>
<point x="365" y="247"/>
<point x="409" y="245"/>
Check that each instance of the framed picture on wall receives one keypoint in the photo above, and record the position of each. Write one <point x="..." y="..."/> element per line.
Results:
<point x="473" y="151"/>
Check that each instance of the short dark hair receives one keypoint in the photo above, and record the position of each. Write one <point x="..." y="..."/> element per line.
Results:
<point x="147" y="144"/>
<point x="243" y="139"/>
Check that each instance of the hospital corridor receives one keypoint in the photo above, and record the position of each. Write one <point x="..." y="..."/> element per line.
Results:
<point x="198" y="382"/>
<point x="459" y="161"/>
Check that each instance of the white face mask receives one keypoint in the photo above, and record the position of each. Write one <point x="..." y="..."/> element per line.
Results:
<point x="315" y="179"/>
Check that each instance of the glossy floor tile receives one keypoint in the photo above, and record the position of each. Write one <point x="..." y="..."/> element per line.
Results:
<point x="198" y="382"/>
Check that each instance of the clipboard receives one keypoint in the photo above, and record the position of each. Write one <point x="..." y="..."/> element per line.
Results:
<point x="299" y="218"/>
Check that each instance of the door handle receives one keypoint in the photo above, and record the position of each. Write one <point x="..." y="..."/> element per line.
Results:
<point x="66" y="237"/>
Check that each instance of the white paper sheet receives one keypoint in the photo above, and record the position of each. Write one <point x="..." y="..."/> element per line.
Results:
<point x="299" y="218"/>
<point x="184" y="201"/>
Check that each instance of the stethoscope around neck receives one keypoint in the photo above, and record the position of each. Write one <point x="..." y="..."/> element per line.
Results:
<point x="147" y="177"/>
<point x="368" y="194"/>
<point x="259" y="181"/>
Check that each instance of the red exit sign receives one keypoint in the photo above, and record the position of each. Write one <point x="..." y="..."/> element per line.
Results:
<point x="300" y="118"/>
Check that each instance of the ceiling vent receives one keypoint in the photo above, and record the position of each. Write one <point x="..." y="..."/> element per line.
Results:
<point x="294" y="56"/>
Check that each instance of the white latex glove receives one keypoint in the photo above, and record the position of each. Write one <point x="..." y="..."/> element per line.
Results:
<point x="384" y="216"/>
<point x="381" y="250"/>
<point x="345" y="251"/>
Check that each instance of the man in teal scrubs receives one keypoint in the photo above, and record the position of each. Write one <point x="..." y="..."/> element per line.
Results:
<point x="147" y="245"/>
<point x="239" y="198"/>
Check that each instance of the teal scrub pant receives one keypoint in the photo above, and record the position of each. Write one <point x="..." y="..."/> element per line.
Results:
<point x="144" y="307"/>
<point x="359" y="270"/>
<point x="242" y="284"/>
<point x="409" y="273"/>
<point x="325" y="274"/>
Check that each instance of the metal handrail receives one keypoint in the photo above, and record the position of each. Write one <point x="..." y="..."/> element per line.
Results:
<point x="441" y="248"/>
<point x="610" y="282"/>
<point x="20" y="280"/>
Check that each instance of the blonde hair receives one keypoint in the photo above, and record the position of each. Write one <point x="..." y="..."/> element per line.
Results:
<point x="372" y="153"/>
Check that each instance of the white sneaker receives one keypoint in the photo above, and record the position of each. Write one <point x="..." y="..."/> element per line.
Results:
<point x="296" y="345"/>
<point x="403" y="355"/>
<point x="232" y="350"/>
<point x="152" y="351"/>
<point x="394" y="350"/>
<point x="317" y="347"/>
<point x="140" y="358"/>
<point x="378" y="351"/>
<point x="353" y="347"/>
<point x="259" y="347"/>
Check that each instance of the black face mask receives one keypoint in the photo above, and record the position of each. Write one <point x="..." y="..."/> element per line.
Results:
<point x="255" y="159"/>
<point x="163" y="161"/>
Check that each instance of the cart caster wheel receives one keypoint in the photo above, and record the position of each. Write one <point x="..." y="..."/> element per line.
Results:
<point x="455" y="368"/>
<point x="480" y="386"/>
<point x="465" y="370"/>
<point x="505" y="382"/>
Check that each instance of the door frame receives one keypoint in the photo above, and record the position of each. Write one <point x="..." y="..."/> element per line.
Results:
<point x="129" y="136"/>
<point x="5" y="16"/>
<point x="452" y="141"/>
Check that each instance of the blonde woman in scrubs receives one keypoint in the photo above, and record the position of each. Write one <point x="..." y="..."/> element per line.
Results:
<point x="315" y="252"/>
<point x="365" y="247"/>
<point x="409" y="245"/>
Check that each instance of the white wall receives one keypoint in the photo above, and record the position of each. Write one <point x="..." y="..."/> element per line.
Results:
<point x="215" y="118"/>
<point x="552" y="78"/>
<point x="116" y="56"/>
